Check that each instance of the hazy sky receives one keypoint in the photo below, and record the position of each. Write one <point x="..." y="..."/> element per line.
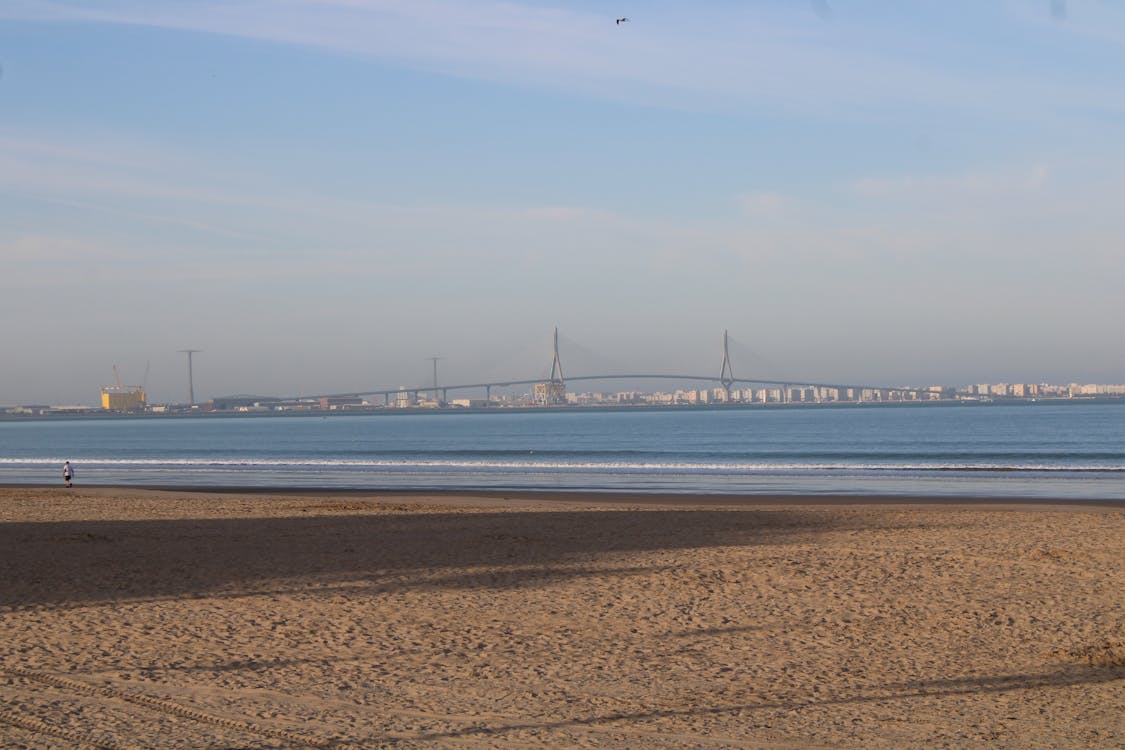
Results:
<point x="320" y="194"/>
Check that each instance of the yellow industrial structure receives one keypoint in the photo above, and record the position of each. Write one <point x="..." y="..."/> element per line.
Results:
<point x="122" y="397"/>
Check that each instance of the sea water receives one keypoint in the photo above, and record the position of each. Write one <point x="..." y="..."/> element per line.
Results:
<point x="1069" y="450"/>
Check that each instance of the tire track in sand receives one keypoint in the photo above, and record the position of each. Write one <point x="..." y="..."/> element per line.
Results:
<point x="156" y="704"/>
<point x="18" y="717"/>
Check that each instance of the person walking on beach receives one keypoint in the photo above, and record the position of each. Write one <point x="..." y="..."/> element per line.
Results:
<point x="67" y="473"/>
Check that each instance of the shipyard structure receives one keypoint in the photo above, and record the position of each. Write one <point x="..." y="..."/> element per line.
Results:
<point x="119" y="397"/>
<point x="123" y="397"/>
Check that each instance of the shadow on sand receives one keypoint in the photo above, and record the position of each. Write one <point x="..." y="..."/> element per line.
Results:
<point x="83" y="562"/>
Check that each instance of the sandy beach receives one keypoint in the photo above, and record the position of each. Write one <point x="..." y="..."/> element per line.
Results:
<point x="167" y="619"/>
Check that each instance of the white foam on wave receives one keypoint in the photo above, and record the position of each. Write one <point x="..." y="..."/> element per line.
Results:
<point x="558" y="466"/>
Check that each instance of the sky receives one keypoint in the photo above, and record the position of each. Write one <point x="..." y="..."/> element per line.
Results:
<point x="321" y="194"/>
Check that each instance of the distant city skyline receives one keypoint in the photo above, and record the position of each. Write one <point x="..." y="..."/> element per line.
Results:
<point x="322" y="195"/>
<point x="610" y="379"/>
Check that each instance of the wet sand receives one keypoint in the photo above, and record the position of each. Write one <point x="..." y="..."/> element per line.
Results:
<point x="137" y="618"/>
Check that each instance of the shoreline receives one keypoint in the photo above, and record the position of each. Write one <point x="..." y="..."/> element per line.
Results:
<point x="585" y="498"/>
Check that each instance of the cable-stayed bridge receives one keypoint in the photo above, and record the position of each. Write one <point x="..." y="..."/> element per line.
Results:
<point x="550" y="389"/>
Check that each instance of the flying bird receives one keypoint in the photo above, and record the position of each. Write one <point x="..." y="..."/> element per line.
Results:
<point x="621" y="21"/>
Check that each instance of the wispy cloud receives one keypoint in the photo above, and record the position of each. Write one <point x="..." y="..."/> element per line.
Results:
<point x="969" y="185"/>
<point x="761" y="56"/>
<point x="45" y="251"/>
<point x="183" y="209"/>
<point x="291" y="230"/>
<point x="764" y="204"/>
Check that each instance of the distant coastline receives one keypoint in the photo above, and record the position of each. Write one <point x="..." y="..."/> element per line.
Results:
<point x="186" y="412"/>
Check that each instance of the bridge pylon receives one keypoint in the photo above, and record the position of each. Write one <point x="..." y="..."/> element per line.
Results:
<point x="556" y="363"/>
<point x="726" y="372"/>
<point x="554" y="390"/>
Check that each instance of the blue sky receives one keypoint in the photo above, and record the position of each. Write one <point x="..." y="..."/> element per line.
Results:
<point x="321" y="193"/>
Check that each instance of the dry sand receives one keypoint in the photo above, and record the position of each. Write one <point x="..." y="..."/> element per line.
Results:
<point x="145" y="619"/>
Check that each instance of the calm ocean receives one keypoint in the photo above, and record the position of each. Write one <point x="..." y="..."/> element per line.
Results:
<point x="1035" y="450"/>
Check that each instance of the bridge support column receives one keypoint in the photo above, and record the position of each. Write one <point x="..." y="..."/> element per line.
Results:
<point x="726" y="372"/>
